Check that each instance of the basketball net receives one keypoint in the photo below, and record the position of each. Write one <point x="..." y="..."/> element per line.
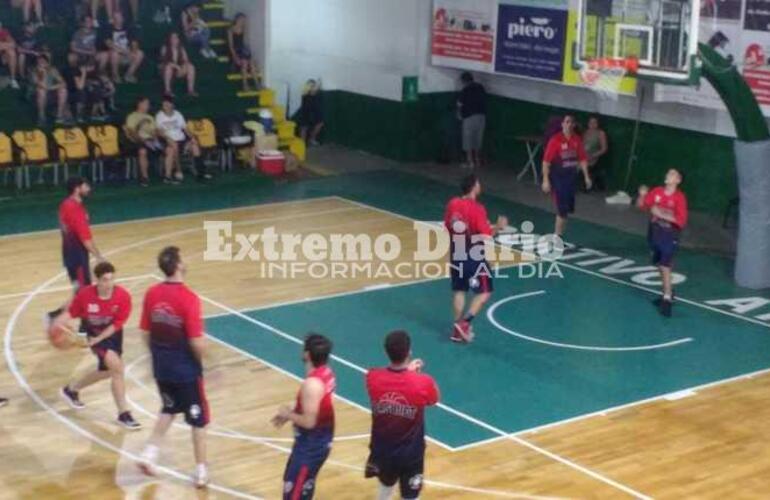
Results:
<point x="604" y="75"/>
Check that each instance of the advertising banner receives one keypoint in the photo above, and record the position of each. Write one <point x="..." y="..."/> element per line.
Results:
<point x="463" y="34"/>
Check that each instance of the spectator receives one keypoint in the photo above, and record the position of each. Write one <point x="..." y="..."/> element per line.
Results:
<point x="120" y="47"/>
<point x="142" y="132"/>
<point x="28" y="6"/>
<point x="196" y="31"/>
<point x="109" y="5"/>
<point x="75" y="76"/>
<point x="50" y="85"/>
<point x="240" y="53"/>
<point x="8" y="54"/>
<point x="84" y="43"/>
<point x="595" y="143"/>
<point x="310" y="114"/>
<point x="173" y="128"/>
<point x="174" y="62"/>
<point x="101" y="94"/>
<point x="472" y="106"/>
<point x="29" y="49"/>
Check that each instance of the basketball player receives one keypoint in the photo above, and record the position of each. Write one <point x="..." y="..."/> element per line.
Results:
<point x="399" y="394"/>
<point x="466" y="220"/>
<point x="104" y="309"/>
<point x="77" y="241"/>
<point x="173" y="329"/>
<point x="313" y="420"/>
<point x="668" y="216"/>
<point x="563" y="155"/>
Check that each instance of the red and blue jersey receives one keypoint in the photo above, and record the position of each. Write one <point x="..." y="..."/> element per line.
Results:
<point x="325" y="418"/>
<point x="98" y="313"/>
<point x="673" y="204"/>
<point x="75" y="230"/>
<point x="565" y="152"/>
<point x="398" y="399"/>
<point x="172" y="315"/>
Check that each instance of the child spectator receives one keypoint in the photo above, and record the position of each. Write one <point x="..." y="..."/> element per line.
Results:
<point x="196" y="31"/>
<point x="101" y="94"/>
<point x="50" y="85"/>
<point x="120" y="47"/>
<point x="240" y="53"/>
<point x="174" y="62"/>
<point x="75" y="76"/>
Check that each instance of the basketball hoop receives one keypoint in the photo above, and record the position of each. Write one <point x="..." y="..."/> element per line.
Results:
<point x="604" y="75"/>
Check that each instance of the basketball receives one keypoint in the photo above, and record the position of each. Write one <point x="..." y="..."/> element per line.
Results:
<point x="62" y="337"/>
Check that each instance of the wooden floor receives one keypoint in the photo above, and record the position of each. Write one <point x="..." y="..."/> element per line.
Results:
<point x="711" y="445"/>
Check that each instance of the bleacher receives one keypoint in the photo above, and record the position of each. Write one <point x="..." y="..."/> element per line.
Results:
<point x="220" y="100"/>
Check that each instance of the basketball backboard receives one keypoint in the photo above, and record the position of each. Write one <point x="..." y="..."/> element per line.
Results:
<point x="661" y="34"/>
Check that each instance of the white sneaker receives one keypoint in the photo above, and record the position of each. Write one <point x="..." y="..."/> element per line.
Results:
<point x="619" y="198"/>
<point x="201" y="478"/>
<point x="148" y="460"/>
<point x="14" y="84"/>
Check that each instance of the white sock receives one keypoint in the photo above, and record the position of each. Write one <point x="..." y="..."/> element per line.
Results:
<point x="201" y="470"/>
<point x="385" y="492"/>
<point x="666" y="297"/>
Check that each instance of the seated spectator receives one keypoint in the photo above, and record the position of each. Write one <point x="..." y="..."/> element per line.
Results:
<point x="84" y="43"/>
<point x="29" y="48"/>
<point x="310" y="114"/>
<point x="120" y="47"/>
<point x="595" y="143"/>
<point x="8" y="54"/>
<point x="49" y="86"/>
<point x="100" y="92"/>
<point x="75" y="76"/>
<point x="240" y="53"/>
<point x="173" y="128"/>
<point x="143" y="134"/>
<point x="196" y="31"/>
<point x="174" y="62"/>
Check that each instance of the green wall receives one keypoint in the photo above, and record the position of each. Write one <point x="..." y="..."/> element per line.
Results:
<point x="415" y="132"/>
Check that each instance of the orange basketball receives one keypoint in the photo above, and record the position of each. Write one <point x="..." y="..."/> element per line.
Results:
<point x="61" y="337"/>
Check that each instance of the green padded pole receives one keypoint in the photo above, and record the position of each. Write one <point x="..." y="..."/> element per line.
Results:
<point x="750" y="124"/>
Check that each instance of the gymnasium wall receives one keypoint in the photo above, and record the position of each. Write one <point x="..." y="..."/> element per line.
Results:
<point x="361" y="49"/>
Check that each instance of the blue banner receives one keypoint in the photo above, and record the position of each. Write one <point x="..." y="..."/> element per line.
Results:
<point x="530" y="41"/>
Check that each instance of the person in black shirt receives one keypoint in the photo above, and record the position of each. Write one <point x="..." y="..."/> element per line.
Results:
<point x="310" y="114"/>
<point x="29" y="48"/>
<point x="75" y="75"/>
<point x="472" y="108"/>
<point x="121" y="47"/>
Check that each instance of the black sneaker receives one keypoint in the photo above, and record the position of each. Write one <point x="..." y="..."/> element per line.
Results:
<point x="72" y="398"/>
<point x="665" y="308"/>
<point x="3" y="402"/>
<point x="657" y="301"/>
<point x="126" y="420"/>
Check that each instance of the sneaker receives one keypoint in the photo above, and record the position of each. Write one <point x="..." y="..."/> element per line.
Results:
<point x="665" y="308"/>
<point x="178" y="176"/>
<point x="3" y="402"/>
<point x="126" y="420"/>
<point x="14" y="84"/>
<point x="72" y="398"/>
<point x="201" y="479"/>
<point x="147" y="462"/>
<point x="462" y="332"/>
<point x="212" y="54"/>
<point x="144" y="182"/>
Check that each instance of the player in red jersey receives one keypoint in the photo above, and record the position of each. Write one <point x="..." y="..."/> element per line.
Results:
<point x="399" y="394"/>
<point x="668" y="217"/>
<point x="564" y="153"/>
<point x="104" y="308"/>
<point x="466" y="220"/>
<point x="77" y="241"/>
<point x="313" y="420"/>
<point x="173" y="329"/>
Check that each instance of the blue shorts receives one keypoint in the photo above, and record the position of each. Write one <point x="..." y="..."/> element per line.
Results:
<point x="114" y="343"/>
<point x="78" y="270"/>
<point x="185" y="397"/>
<point x="563" y="185"/>
<point x="664" y="242"/>
<point x="471" y="275"/>
<point x="310" y="451"/>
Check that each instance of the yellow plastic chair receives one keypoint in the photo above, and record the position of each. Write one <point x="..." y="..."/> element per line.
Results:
<point x="33" y="151"/>
<point x="73" y="147"/>
<point x="6" y="155"/>
<point x="105" y="141"/>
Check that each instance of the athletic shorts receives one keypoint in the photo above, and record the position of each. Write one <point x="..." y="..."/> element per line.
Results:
<point x="114" y="343"/>
<point x="473" y="132"/>
<point x="408" y="473"/>
<point x="471" y="275"/>
<point x="563" y="186"/>
<point x="78" y="270"/>
<point x="185" y="397"/>
<point x="307" y="457"/>
<point x="664" y="242"/>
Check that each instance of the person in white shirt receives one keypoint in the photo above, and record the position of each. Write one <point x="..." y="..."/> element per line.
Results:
<point x="173" y="128"/>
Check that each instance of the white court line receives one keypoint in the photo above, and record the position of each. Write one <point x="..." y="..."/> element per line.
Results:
<point x="233" y="434"/>
<point x="583" y="270"/>
<point x="138" y="277"/>
<point x="491" y="317"/>
<point x="174" y="216"/>
<point x="449" y="409"/>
